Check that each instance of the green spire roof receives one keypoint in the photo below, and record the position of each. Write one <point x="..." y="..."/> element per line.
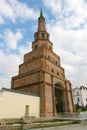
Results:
<point x="41" y="13"/>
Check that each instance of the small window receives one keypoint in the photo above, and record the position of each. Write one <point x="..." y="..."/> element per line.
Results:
<point x="36" y="47"/>
<point x="77" y="93"/>
<point x="57" y="73"/>
<point x="78" y="99"/>
<point x="50" y="48"/>
<point x="56" y="62"/>
<point x="48" y="57"/>
<point x="42" y="35"/>
<point x="52" y="70"/>
<point x="33" y="57"/>
<point x="47" y="36"/>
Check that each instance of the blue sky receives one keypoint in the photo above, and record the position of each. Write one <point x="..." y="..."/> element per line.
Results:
<point x="66" y="22"/>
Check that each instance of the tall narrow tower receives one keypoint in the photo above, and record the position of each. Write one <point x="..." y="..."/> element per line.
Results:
<point x="42" y="74"/>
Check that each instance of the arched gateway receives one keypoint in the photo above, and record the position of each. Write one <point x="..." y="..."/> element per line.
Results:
<point x="39" y="73"/>
<point x="59" y="99"/>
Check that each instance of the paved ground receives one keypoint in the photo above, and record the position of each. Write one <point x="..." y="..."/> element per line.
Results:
<point x="66" y="127"/>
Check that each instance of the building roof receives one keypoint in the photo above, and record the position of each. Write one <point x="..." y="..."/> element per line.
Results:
<point x="41" y="13"/>
<point x="19" y="92"/>
<point x="76" y="88"/>
<point x="80" y="88"/>
<point x="83" y="87"/>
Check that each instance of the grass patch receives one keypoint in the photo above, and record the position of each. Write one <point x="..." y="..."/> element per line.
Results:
<point x="18" y="122"/>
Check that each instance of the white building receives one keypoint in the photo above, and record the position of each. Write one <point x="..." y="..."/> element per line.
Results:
<point x="16" y="104"/>
<point x="80" y="96"/>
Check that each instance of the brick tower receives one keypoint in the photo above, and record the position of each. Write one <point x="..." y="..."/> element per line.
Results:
<point x="42" y="74"/>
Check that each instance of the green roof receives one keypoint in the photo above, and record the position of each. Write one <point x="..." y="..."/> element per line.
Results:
<point x="41" y="13"/>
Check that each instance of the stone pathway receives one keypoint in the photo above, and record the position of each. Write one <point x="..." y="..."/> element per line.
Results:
<point x="66" y="127"/>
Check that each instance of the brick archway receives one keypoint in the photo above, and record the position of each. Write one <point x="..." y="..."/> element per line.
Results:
<point x="59" y="97"/>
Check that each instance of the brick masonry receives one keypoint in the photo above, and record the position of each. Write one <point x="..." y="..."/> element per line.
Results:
<point x="41" y="73"/>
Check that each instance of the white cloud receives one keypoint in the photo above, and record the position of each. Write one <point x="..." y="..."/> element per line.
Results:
<point x="25" y="49"/>
<point x="1" y="20"/>
<point x="68" y="33"/>
<point x="6" y="11"/>
<point x="11" y="39"/>
<point x="9" y="64"/>
<point x="71" y="13"/>
<point x="71" y="46"/>
<point x="4" y="81"/>
<point x="8" y="67"/>
<point x="14" y="10"/>
<point x="22" y="11"/>
<point x="55" y="5"/>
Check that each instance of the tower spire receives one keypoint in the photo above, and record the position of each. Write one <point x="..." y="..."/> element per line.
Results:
<point x="41" y="33"/>
<point x="41" y="13"/>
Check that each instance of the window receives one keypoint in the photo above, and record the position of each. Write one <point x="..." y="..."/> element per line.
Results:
<point x="50" y="48"/>
<point x="47" y="36"/>
<point x="49" y="57"/>
<point x="33" y="57"/>
<point x="52" y="70"/>
<point x="42" y="35"/>
<point x="78" y="99"/>
<point x="77" y="93"/>
<point x="36" y="47"/>
<point x="56" y="62"/>
<point x="57" y="73"/>
<point x="86" y="99"/>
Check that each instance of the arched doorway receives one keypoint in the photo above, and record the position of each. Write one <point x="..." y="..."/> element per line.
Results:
<point x="59" y="103"/>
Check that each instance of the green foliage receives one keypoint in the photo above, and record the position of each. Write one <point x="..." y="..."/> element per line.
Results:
<point x="80" y="108"/>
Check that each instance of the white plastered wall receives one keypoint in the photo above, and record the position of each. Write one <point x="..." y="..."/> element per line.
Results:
<point x="12" y="105"/>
